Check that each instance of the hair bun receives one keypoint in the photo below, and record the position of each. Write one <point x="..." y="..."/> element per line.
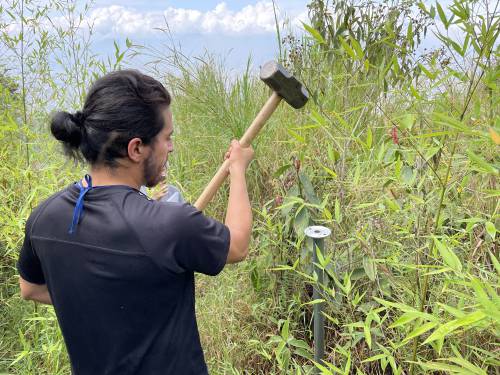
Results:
<point x="67" y="128"/>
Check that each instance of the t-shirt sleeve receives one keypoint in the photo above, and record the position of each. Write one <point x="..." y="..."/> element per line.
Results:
<point x="187" y="240"/>
<point x="28" y="264"/>
<point x="203" y="244"/>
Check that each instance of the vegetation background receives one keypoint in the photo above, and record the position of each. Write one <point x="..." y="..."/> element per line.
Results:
<point x="397" y="153"/>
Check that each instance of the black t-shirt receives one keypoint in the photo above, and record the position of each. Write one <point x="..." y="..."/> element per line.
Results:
<point x="122" y="284"/>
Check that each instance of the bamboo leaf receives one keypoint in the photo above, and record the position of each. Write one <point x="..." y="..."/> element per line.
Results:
<point x="374" y="358"/>
<point x="314" y="33"/>
<point x="466" y="365"/>
<point x="285" y="329"/>
<point x="357" y="48"/>
<point x="480" y="164"/>
<point x="495" y="263"/>
<point x="442" y="15"/>
<point x="338" y="215"/>
<point x="449" y="257"/>
<point x="347" y="48"/>
<point x="296" y="135"/>
<point x="368" y="335"/>
<point x="329" y="171"/>
<point x="419" y="331"/>
<point x="441" y="367"/>
<point x="427" y="72"/>
<point x="490" y="228"/>
<point x="445" y="120"/>
<point x="447" y="328"/>
<point x="299" y="344"/>
<point x="405" y="318"/>
<point x="308" y="188"/>
<point x="370" y="268"/>
<point x="369" y="138"/>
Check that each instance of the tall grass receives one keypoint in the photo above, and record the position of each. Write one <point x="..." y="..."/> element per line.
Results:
<point x="396" y="152"/>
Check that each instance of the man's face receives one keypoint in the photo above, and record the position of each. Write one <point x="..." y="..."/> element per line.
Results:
<point x="156" y="164"/>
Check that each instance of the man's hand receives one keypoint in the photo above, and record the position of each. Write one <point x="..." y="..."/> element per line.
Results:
<point x="161" y="192"/>
<point x="239" y="157"/>
<point x="34" y="292"/>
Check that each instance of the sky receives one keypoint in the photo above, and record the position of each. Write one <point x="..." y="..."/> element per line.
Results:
<point x="233" y="30"/>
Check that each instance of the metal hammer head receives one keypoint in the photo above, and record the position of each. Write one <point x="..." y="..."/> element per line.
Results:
<point x="286" y="85"/>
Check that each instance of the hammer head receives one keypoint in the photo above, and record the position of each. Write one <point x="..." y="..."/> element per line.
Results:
<point x="286" y="85"/>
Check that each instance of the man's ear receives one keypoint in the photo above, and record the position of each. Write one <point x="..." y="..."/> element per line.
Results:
<point x="137" y="150"/>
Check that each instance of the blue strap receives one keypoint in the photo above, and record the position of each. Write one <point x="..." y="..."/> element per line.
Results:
<point x="79" y="203"/>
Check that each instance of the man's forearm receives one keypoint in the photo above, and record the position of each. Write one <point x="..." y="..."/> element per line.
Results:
<point x="239" y="211"/>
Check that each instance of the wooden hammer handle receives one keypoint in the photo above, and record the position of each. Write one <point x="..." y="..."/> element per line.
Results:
<point x="252" y="131"/>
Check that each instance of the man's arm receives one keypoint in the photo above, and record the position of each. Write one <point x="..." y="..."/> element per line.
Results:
<point x="34" y="292"/>
<point x="239" y="211"/>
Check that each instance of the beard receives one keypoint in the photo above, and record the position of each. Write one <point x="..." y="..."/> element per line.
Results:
<point x="154" y="173"/>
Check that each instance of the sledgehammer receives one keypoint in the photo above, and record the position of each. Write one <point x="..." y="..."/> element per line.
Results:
<point x="284" y="86"/>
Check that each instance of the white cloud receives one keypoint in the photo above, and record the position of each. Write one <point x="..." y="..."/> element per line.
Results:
<point x="252" y="19"/>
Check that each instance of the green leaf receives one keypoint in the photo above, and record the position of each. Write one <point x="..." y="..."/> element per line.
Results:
<point x="368" y="335"/>
<point x="482" y="297"/>
<point x="442" y="367"/>
<point x="282" y="170"/>
<point x="313" y="302"/>
<point x="480" y="164"/>
<point x="449" y="257"/>
<point x="308" y="188"/>
<point x="333" y="154"/>
<point x="414" y="92"/>
<point x="290" y="201"/>
<point x="495" y="262"/>
<point x="318" y="118"/>
<point x="447" y="328"/>
<point x="347" y="48"/>
<point x="342" y="121"/>
<point x="419" y="331"/>
<point x="405" y="318"/>
<point x="303" y="353"/>
<point x="285" y="329"/>
<point x="370" y="268"/>
<point x="357" y="48"/>
<point x="466" y="365"/>
<point x="338" y="215"/>
<point x="314" y="33"/>
<point x="393" y="205"/>
<point x="409" y="32"/>
<point x="406" y="121"/>
<point x="427" y="72"/>
<point x="407" y="175"/>
<point x="375" y="358"/>
<point x="445" y="120"/>
<point x="369" y="138"/>
<point x="490" y="228"/>
<point x="301" y="221"/>
<point x="299" y="344"/>
<point x="296" y="135"/>
<point x="442" y="15"/>
<point x="329" y="171"/>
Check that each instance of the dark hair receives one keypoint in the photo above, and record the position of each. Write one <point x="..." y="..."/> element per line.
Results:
<point x="120" y="106"/>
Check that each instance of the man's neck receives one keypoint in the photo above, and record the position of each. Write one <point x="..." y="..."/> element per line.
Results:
<point x="102" y="176"/>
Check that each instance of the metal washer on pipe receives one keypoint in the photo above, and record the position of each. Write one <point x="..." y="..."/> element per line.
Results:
<point x="317" y="231"/>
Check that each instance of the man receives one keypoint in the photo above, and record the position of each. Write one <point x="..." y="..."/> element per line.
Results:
<point x="117" y="266"/>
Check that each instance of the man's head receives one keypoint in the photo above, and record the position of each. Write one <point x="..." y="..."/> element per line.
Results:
<point x="125" y="122"/>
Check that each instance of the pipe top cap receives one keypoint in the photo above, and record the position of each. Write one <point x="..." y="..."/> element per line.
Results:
<point x="317" y="231"/>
